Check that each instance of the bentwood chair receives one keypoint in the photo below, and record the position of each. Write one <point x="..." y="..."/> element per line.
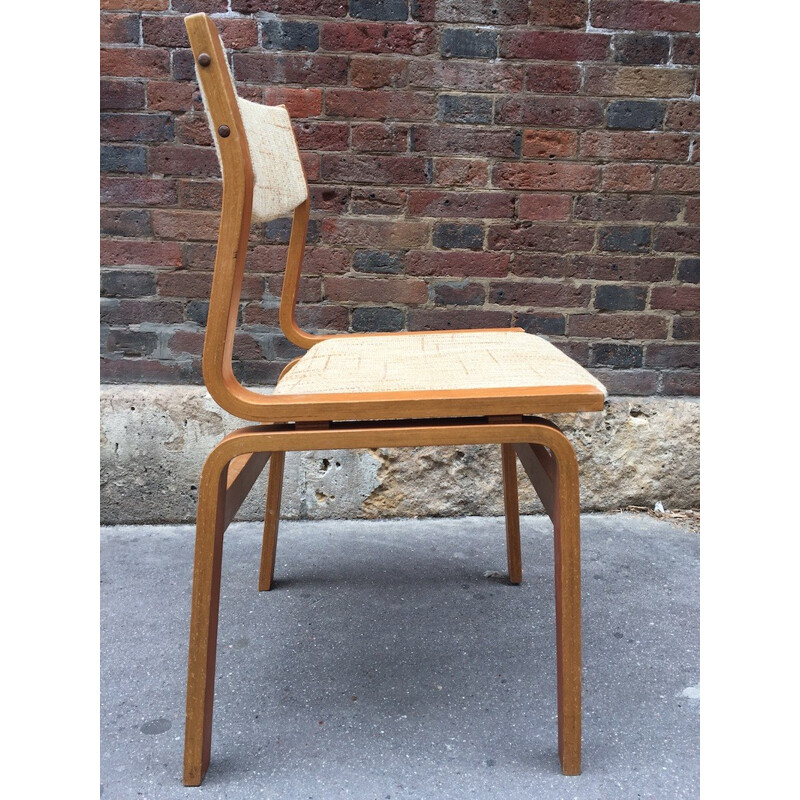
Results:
<point x="363" y="391"/>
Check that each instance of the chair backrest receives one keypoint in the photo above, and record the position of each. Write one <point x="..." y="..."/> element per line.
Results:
<point x="262" y="179"/>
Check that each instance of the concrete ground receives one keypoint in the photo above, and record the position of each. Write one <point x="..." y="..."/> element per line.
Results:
<point x="393" y="660"/>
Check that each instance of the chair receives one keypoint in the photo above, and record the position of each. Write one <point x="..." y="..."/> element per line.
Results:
<point x="363" y="391"/>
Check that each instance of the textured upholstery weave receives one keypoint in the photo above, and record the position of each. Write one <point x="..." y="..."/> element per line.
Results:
<point x="433" y="361"/>
<point x="280" y="183"/>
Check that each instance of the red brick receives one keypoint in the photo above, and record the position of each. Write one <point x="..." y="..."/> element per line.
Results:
<point x="304" y="8"/>
<point x="195" y="6"/>
<point x="119" y="29"/>
<point x="559" y="13"/>
<point x="304" y="69"/>
<point x="628" y="207"/>
<point x="676" y="298"/>
<point x="373" y="169"/>
<point x="309" y="289"/>
<point x="628" y="178"/>
<point x="376" y="290"/>
<point x="466" y="76"/>
<point x="139" y="370"/>
<point x="137" y="191"/>
<point x="635" y="146"/>
<point x="677" y="240"/>
<point x="679" y="179"/>
<point x="683" y="115"/>
<point x="686" y="49"/>
<point x="375" y="233"/>
<point x="193" y="129"/>
<point x="380" y="138"/>
<point x="125" y="62"/>
<point x="130" y="252"/>
<point x="541" y="236"/>
<point x="460" y="172"/>
<point x="135" y="127"/>
<point x="134" y="5"/>
<point x="329" y="198"/>
<point x="379" y="104"/>
<point x="378" y="73"/>
<point x="298" y="102"/>
<point x="618" y="326"/>
<point x="549" y="207"/>
<point x="135" y="312"/>
<point x="623" y="268"/>
<point x="186" y="225"/>
<point x="121" y="95"/>
<point x="546" y="176"/>
<point x="691" y="216"/>
<point x="311" y="165"/>
<point x="646" y="15"/>
<point x="452" y="139"/>
<point x="549" y="144"/>
<point x="322" y="135"/>
<point x="554" y="45"/>
<point x="378" y="37"/>
<point x="378" y="201"/>
<point x="198" y="284"/>
<point x="236" y="34"/>
<point x="173" y="96"/>
<point x="461" y="264"/>
<point x="477" y="205"/>
<point x="177" y="160"/>
<point x="681" y="382"/>
<point x="201" y="194"/>
<point x="555" y="112"/>
<point x="552" y="78"/>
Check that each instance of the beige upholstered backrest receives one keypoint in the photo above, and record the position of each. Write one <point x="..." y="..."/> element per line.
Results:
<point x="280" y="183"/>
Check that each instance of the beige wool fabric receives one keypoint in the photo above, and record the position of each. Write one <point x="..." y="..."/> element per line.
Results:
<point x="433" y="361"/>
<point x="278" y="177"/>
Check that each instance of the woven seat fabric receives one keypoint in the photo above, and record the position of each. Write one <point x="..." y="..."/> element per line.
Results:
<point x="440" y="361"/>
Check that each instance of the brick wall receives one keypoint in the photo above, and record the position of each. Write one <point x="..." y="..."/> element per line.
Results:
<point x="471" y="163"/>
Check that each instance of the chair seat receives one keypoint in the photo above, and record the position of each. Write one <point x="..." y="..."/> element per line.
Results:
<point x="441" y="361"/>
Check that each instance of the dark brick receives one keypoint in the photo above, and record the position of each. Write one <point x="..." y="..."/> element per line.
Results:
<point x="377" y="319"/>
<point x="135" y="312"/>
<point x="286" y="35"/>
<point x="547" y="324"/>
<point x="453" y="235"/>
<point x="689" y="270"/>
<point x="121" y="95"/>
<point x="641" y="48"/>
<point x="468" y="43"/>
<point x="635" y="115"/>
<point x="136" y="127"/>
<point x="618" y="356"/>
<point x="681" y="382"/>
<point x="626" y="240"/>
<point x="378" y="262"/>
<point x="459" y="293"/>
<point x="441" y="319"/>
<point x="125" y="222"/>
<point x="673" y="355"/>
<point x="131" y="343"/>
<point x="639" y="382"/>
<point x="389" y="10"/>
<point x="124" y="283"/>
<point x="465" y="108"/>
<point x="620" y="298"/>
<point x="686" y="328"/>
<point x="278" y="231"/>
<point x="114" y="158"/>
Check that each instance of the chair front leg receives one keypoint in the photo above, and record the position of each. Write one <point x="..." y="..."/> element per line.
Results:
<point x="511" y="504"/>
<point x="205" y="613"/>
<point x="566" y="528"/>
<point x="271" y="518"/>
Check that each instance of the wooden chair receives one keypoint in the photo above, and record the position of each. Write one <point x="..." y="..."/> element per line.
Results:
<point x="363" y="391"/>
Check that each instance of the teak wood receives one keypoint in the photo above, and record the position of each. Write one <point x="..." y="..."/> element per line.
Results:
<point x="357" y="420"/>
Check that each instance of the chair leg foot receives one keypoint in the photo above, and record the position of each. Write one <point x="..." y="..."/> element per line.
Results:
<point x="566" y="525"/>
<point x="205" y="613"/>
<point x="511" y="504"/>
<point x="271" y="519"/>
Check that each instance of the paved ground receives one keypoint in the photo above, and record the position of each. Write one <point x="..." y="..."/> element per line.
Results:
<point x="393" y="661"/>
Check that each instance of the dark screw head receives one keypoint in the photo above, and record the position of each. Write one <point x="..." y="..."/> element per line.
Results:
<point x="224" y="131"/>
<point x="204" y="59"/>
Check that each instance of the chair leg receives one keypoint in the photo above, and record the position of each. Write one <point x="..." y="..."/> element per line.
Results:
<point x="271" y="519"/>
<point x="205" y="612"/>
<point x="566" y="524"/>
<point x="511" y="503"/>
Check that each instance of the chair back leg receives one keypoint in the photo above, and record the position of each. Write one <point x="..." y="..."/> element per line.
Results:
<point x="511" y="504"/>
<point x="271" y="518"/>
